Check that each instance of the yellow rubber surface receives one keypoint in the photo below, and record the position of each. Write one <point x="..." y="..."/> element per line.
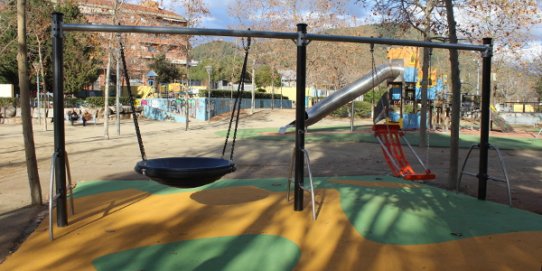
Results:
<point x="110" y="222"/>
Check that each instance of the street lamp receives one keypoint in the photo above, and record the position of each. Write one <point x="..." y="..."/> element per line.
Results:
<point x="209" y="70"/>
<point x="253" y="102"/>
<point x="477" y="77"/>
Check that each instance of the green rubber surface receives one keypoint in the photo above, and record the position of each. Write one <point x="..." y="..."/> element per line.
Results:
<point x="232" y="253"/>
<point x="427" y="215"/>
<point x="364" y="134"/>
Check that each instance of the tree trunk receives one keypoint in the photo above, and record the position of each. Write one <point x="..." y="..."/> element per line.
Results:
<point x="456" y="95"/>
<point x="108" y="73"/>
<point x="28" y="135"/>
<point x="44" y="88"/>
<point x="423" y="92"/>
<point x="426" y="72"/>
<point x="42" y="70"/>
<point x="118" y="88"/>
<point x="272" y="87"/>
<point x="106" y="94"/>
<point x="116" y="6"/>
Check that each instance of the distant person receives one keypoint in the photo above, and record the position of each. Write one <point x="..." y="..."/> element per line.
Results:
<point x="86" y="117"/>
<point x="73" y="116"/>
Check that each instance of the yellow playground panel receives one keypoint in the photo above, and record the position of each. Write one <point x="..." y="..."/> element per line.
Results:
<point x="409" y="55"/>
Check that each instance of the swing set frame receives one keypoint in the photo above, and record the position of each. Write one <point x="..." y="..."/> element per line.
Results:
<point x="301" y="39"/>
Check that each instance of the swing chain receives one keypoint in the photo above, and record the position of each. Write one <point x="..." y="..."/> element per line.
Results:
<point x="373" y="72"/>
<point x="132" y="102"/>
<point x="237" y="103"/>
<point x="247" y="45"/>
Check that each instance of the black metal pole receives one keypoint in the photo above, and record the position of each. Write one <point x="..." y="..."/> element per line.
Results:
<point x="484" y="129"/>
<point x="60" y="144"/>
<point x="300" y="115"/>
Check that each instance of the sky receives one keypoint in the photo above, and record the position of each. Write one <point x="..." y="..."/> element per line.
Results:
<point x="219" y="17"/>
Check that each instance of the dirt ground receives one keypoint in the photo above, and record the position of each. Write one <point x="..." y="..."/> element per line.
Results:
<point x="94" y="158"/>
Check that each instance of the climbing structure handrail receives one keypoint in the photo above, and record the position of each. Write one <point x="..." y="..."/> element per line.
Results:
<point x="389" y="136"/>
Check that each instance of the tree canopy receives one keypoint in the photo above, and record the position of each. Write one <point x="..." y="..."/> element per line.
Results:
<point x="82" y="55"/>
<point x="266" y="76"/>
<point x="167" y="71"/>
<point x="226" y="58"/>
<point x="538" y="87"/>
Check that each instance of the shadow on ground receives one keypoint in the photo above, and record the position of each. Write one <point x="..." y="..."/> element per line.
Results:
<point x="16" y="226"/>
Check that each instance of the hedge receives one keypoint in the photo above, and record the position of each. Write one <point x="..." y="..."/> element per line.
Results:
<point x="8" y="101"/>
<point x="94" y="101"/>
<point x="100" y="101"/>
<point x="361" y="109"/>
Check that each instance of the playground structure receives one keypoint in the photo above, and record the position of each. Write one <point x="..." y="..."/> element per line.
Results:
<point x="347" y="94"/>
<point x="302" y="39"/>
<point x="408" y="89"/>
<point x="145" y="92"/>
<point x="403" y="75"/>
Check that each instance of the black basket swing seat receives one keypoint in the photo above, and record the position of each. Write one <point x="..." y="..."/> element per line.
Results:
<point x="188" y="172"/>
<point x="185" y="172"/>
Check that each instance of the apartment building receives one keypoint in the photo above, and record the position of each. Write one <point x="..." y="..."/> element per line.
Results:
<point x="139" y="48"/>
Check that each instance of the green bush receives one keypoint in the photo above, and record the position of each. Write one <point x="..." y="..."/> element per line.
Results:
<point x="362" y="109"/>
<point x="71" y="102"/>
<point x="97" y="102"/>
<point x="94" y="101"/>
<point x="8" y="101"/>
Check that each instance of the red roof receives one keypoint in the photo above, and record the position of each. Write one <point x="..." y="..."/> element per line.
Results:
<point x="133" y="7"/>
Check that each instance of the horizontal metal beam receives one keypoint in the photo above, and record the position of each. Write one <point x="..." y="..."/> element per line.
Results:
<point x="179" y="30"/>
<point x="387" y="41"/>
<point x="265" y="34"/>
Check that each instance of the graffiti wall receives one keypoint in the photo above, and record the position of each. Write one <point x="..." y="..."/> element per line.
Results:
<point x="197" y="108"/>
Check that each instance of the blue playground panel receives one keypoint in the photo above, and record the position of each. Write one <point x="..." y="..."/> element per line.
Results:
<point x="410" y="120"/>
<point x="431" y="93"/>
<point x="410" y="75"/>
<point x="396" y="94"/>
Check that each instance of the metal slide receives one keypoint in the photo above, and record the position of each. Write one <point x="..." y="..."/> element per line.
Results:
<point x="388" y="71"/>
